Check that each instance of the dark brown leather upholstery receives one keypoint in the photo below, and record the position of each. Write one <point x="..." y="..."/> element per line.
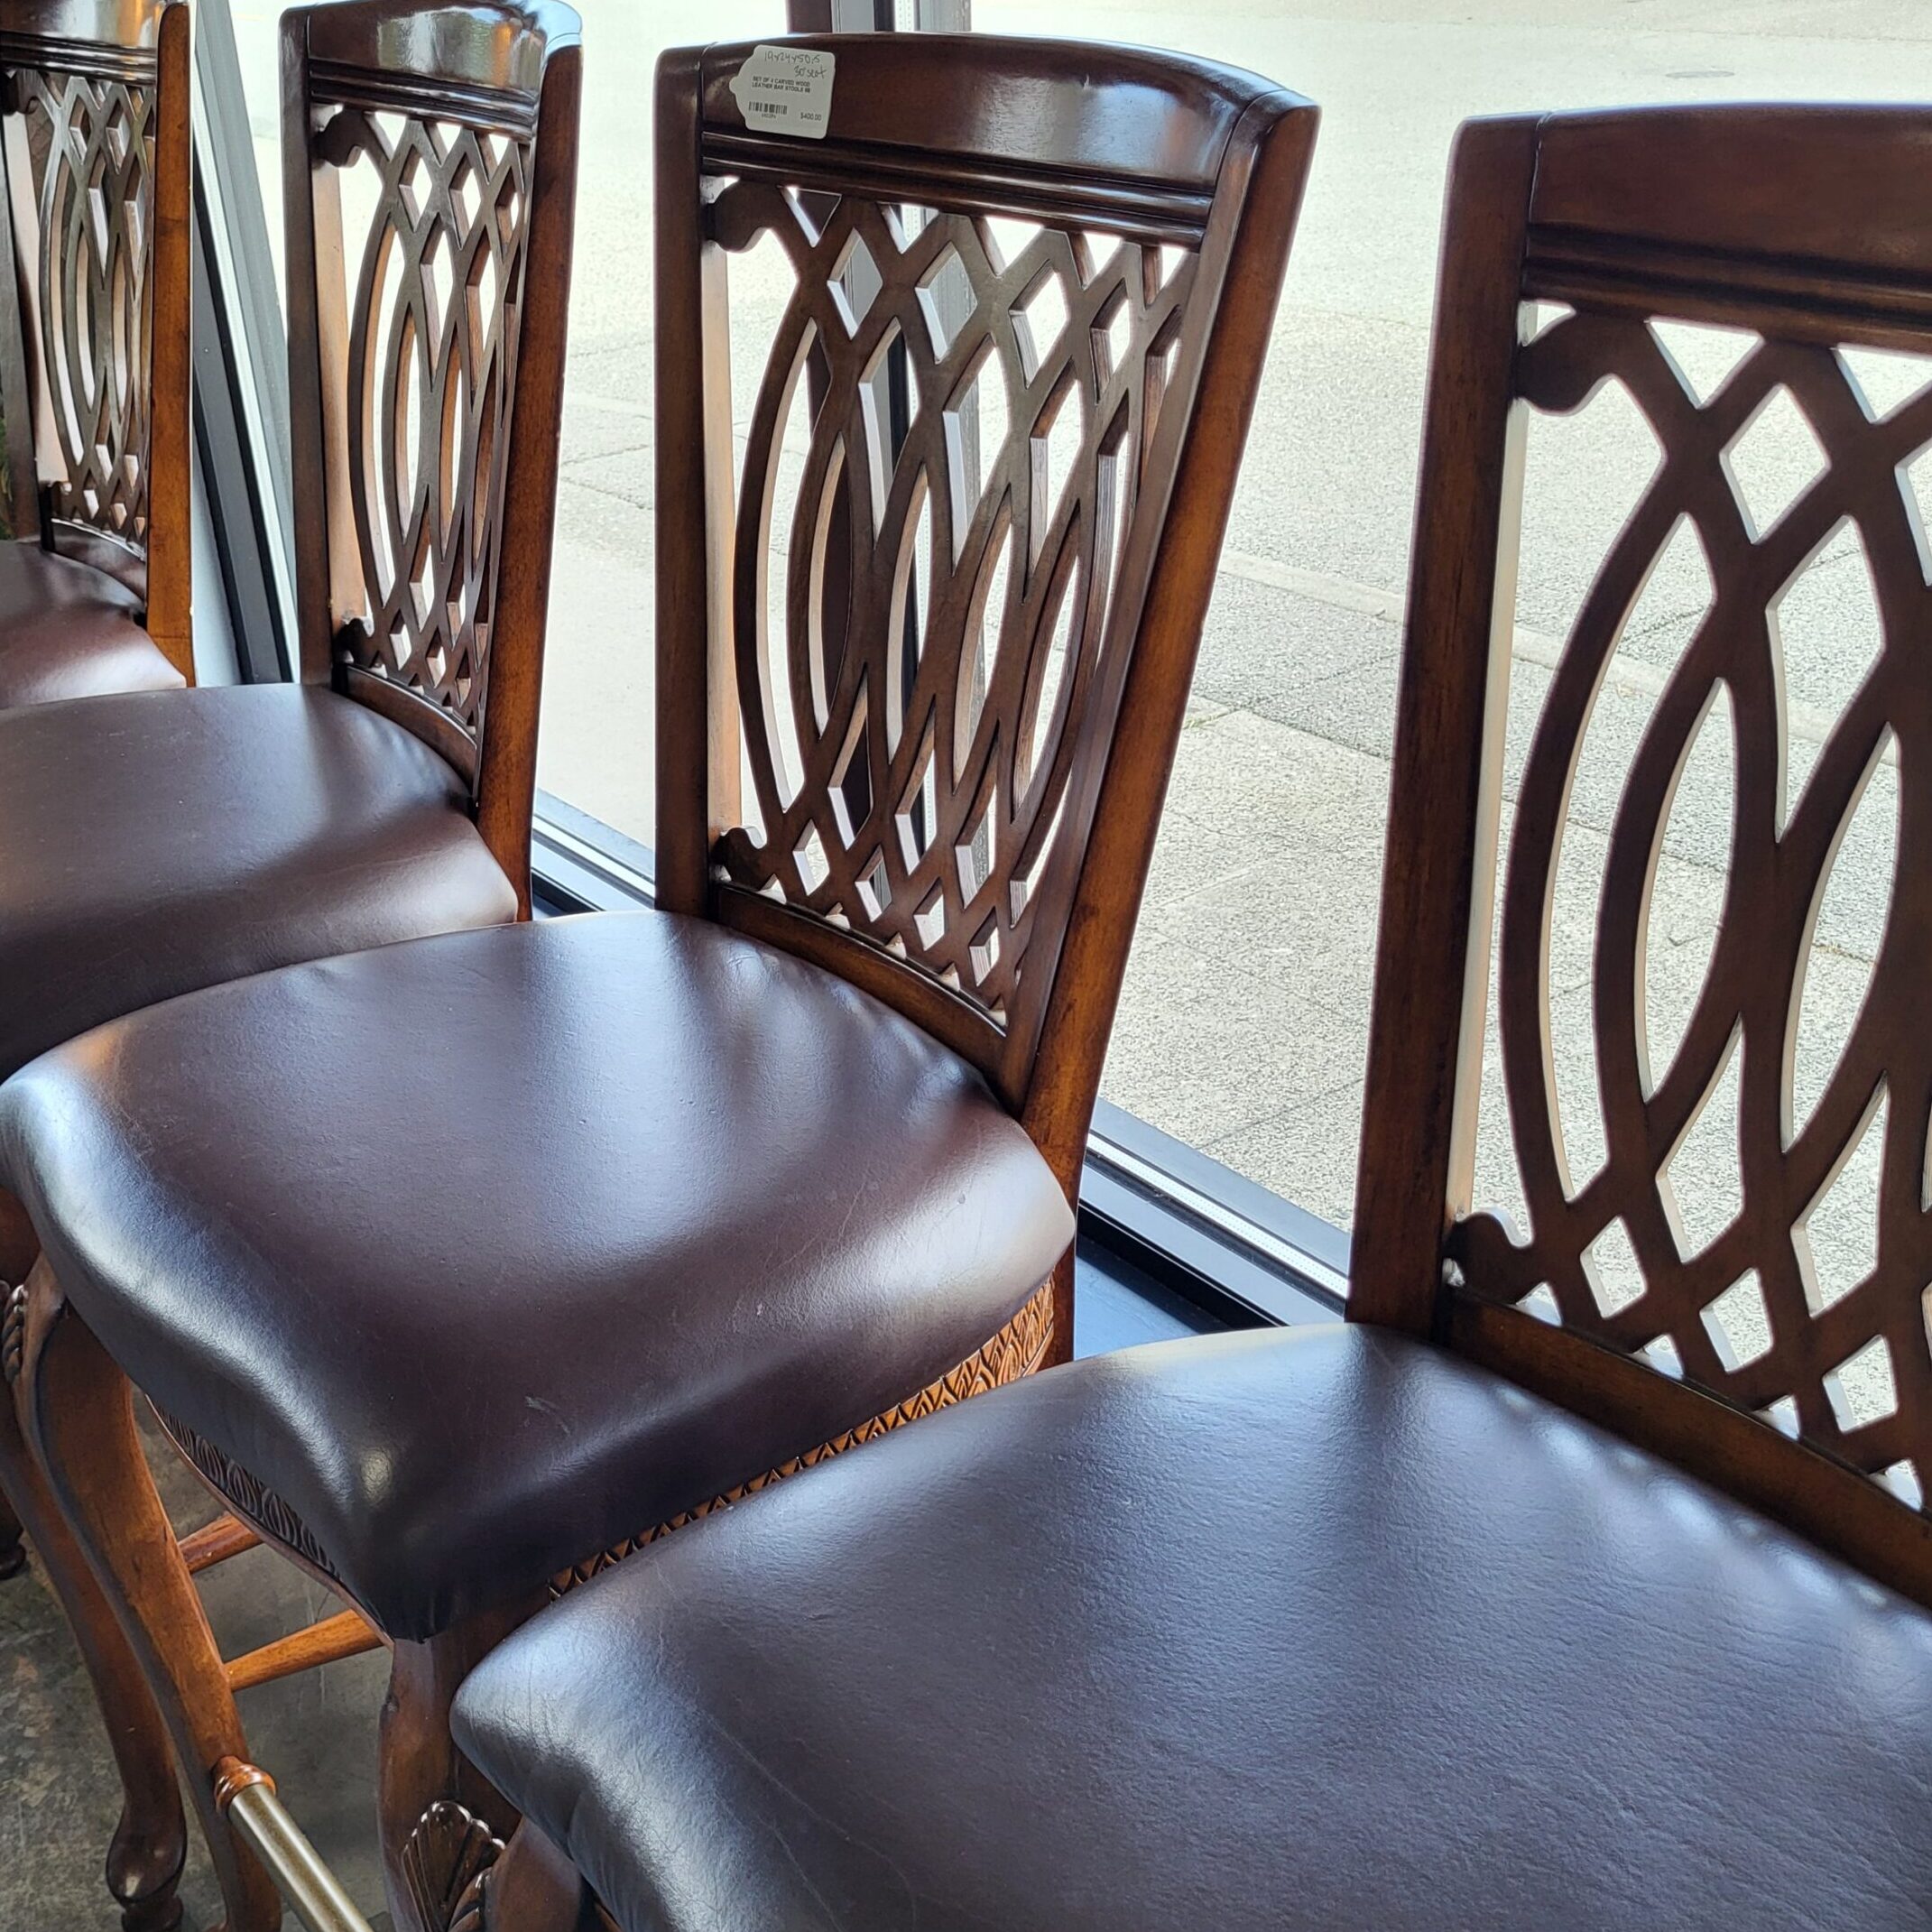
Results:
<point x="68" y="631"/>
<point x="505" y="1246"/>
<point x="153" y="843"/>
<point x="1320" y="1630"/>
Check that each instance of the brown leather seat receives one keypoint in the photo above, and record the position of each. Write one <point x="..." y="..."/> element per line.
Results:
<point x="1319" y="1628"/>
<point x="644" y="1209"/>
<point x="160" y="841"/>
<point x="68" y="630"/>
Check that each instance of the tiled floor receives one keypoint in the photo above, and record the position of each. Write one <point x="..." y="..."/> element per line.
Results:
<point x="58" y="1795"/>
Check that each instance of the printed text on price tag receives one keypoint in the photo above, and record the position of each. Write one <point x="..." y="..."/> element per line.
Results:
<point x="788" y="89"/>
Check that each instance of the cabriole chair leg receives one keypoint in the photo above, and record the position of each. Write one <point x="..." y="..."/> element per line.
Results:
<point x="442" y="1826"/>
<point x="81" y="1419"/>
<point x="151" y="1841"/>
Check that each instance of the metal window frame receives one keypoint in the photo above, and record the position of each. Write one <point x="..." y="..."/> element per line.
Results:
<point x="1246" y="1257"/>
<point x="241" y="378"/>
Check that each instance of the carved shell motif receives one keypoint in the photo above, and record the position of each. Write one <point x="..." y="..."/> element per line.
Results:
<point x="14" y="1334"/>
<point x="446" y="1864"/>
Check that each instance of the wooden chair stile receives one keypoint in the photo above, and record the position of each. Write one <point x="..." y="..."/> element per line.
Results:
<point x="1035" y="855"/>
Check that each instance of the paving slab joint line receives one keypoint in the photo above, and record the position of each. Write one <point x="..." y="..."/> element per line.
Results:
<point x="1630" y="675"/>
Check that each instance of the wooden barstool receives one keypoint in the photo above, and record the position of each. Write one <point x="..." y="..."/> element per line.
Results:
<point x="155" y="842"/>
<point x="514" y="1249"/>
<point x="1461" y="1614"/>
<point x="94" y="348"/>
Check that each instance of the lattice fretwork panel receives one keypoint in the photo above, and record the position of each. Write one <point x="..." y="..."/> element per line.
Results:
<point x="1716" y="908"/>
<point x="941" y="461"/>
<point x="90" y="141"/>
<point x="435" y="216"/>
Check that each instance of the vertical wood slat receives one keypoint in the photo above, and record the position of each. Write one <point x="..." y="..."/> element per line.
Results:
<point x="16" y="402"/>
<point x="507" y="788"/>
<point x="696" y="754"/>
<point x="1432" y="950"/>
<point x="170" y="491"/>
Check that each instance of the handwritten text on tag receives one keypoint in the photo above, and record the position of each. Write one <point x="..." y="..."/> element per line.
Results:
<point x="788" y="89"/>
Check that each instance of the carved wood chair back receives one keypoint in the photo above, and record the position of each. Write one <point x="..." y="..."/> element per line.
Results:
<point x="429" y="163"/>
<point x="93" y="291"/>
<point x="1574" y="245"/>
<point x="923" y="650"/>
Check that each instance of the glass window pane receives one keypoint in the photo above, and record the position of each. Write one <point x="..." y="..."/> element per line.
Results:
<point x="597" y="746"/>
<point x="1244" y="1025"/>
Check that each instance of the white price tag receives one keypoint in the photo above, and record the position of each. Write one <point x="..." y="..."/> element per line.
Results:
<point x="788" y="89"/>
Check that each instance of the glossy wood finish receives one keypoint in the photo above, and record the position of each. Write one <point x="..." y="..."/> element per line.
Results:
<point x="1438" y="881"/>
<point x="95" y="365"/>
<point x="80" y="1418"/>
<point x="472" y="113"/>
<point x="469" y="119"/>
<point x="944" y="784"/>
<point x="95" y="189"/>
<point x="432" y="51"/>
<point x="150" y="1843"/>
<point x="347" y="1633"/>
<point x="442" y="1826"/>
<point x="170" y="433"/>
<point x="1800" y="226"/>
<point x="216" y="1542"/>
<point x="426" y="347"/>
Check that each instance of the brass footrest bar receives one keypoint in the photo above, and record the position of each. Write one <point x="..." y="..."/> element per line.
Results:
<point x="246" y="1796"/>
